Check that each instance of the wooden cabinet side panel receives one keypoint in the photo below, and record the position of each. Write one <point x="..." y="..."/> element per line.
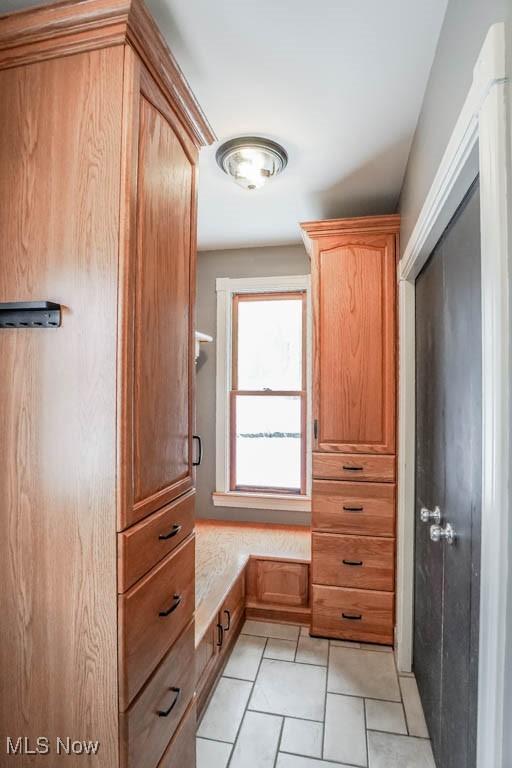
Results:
<point x="60" y="144"/>
<point x="354" y="360"/>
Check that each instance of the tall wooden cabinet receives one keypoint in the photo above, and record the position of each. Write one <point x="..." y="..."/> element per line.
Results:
<point x="99" y="140"/>
<point x="354" y="407"/>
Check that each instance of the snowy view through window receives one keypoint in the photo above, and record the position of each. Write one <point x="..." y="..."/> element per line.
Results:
<point x="268" y="396"/>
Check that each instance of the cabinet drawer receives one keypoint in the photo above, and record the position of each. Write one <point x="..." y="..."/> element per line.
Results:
<point x="181" y="752"/>
<point x="353" y="614"/>
<point x="364" y="509"/>
<point x="145" y="544"/>
<point x="353" y="466"/>
<point x="152" y="615"/>
<point x="145" y="728"/>
<point x="362" y="562"/>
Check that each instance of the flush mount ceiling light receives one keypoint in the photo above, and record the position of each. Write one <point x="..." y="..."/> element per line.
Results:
<point x="251" y="161"/>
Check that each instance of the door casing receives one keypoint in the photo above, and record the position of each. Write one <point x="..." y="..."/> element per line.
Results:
<point x="481" y="143"/>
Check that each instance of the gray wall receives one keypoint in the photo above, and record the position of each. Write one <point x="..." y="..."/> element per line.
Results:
<point x="247" y="262"/>
<point x="462" y="35"/>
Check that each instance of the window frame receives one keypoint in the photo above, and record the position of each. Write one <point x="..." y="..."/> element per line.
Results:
<point x="235" y="392"/>
<point x="268" y="499"/>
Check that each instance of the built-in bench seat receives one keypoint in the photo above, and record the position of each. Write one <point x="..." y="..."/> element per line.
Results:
<point x="245" y="569"/>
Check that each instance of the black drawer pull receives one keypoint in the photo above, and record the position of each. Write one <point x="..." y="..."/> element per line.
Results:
<point x="352" y="509"/>
<point x="352" y="468"/>
<point x="165" y="712"/>
<point x="177" y="601"/>
<point x="352" y="616"/>
<point x="173" y="532"/>
<point x="220" y="636"/>
<point x="199" y="459"/>
<point x="228" y="614"/>
<point x="352" y="562"/>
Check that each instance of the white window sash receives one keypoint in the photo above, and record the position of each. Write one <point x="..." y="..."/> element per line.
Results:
<point x="226" y="288"/>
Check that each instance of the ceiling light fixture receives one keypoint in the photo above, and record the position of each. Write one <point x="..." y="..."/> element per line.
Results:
<point x="251" y="161"/>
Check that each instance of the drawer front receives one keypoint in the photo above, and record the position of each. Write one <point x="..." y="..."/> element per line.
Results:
<point x="362" y="562"/>
<point x="181" y="752"/>
<point x="353" y="614"/>
<point x="152" y="615"/>
<point x="363" y="509"/>
<point x="143" y="545"/>
<point x="354" y="466"/>
<point x="154" y="716"/>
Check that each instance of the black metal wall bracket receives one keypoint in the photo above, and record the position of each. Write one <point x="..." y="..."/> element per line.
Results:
<point x="30" y="314"/>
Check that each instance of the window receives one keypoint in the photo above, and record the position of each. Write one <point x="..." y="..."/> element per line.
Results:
<point x="262" y="393"/>
<point x="268" y="397"/>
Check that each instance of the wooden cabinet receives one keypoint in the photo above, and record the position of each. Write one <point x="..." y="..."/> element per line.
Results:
<point x="162" y="340"/>
<point x="354" y="330"/>
<point x="213" y="649"/>
<point x="354" y="410"/>
<point x="99" y="142"/>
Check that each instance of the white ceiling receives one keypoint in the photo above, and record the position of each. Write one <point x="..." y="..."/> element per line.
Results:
<point x="338" y="82"/>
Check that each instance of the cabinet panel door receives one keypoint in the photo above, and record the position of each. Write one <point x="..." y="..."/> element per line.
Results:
<point x="162" y="354"/>
<point x="354" y="309"/>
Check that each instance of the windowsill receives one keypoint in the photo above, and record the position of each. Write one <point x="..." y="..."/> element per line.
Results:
<point x="286" y="502"/>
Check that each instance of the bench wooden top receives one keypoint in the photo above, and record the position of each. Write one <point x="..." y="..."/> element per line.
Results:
<point x="223" y="550"/>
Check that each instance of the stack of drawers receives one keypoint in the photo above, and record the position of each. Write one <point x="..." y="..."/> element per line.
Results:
<point x="156" y="638"/>
<point x="353" y="547"/>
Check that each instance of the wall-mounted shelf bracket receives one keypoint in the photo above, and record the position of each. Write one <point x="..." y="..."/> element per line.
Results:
<point x="30" y="314"/>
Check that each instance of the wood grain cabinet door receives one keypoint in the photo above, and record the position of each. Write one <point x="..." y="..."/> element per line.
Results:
<point x="162" y="350"/>
<point x="354" y="368"/>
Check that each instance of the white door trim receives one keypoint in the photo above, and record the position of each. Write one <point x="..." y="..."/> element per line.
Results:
<point x="480" y="143"/>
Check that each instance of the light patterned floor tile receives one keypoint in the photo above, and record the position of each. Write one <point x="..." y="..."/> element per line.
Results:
<point x="245" y="657"/>
<point x="294" y="761"/>
<point x="225" y="710"/>
<point x="302" y="737"/>
<point x="363" y="673"/>
<point x="212" y="754"/>
<point x="385" y="716"/>
<point x="375" y="647"/>
<point x="257" y="742"/>
<point x="294" y="690"/>
<point x="282" y="650"/>
<point x="344" y="644"/>
<point x="269" y="629"/>
<point x="389" y="751"/>
<point x="345" y="733"/>
<point x="312" y="650"/>
<point x="413" y="708"/>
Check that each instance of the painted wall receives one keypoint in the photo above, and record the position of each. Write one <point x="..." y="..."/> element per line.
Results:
<point x="247" y="262"/>
<point x="465" y="26"/>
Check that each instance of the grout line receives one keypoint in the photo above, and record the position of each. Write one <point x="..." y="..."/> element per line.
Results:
<point x="276" y="756"/>
<point x="366" y="733"/>
<point x="394" y="733"/>
<point x="325" y="697"/>
<point x="320" y="760"/>
<point x="246" y="708"/>
<point x="217" y="741"/>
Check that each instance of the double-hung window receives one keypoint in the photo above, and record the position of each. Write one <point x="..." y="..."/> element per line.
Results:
<point x="262" y="392"/>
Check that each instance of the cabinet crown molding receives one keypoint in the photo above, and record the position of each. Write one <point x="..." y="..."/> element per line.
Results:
<point x="64" y="28"/>
<point x="313" y="230"/>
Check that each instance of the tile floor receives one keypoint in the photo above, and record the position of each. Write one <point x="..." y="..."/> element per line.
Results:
<point x="287" y="700"/>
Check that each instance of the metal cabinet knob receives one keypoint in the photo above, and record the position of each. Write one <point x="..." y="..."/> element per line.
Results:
<point x="438" y="533"/>
<point x="430" y="515"/>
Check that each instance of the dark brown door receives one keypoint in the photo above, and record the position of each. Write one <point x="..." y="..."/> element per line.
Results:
<point x="162" y="407"/>
<point x="448" y="475"/>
